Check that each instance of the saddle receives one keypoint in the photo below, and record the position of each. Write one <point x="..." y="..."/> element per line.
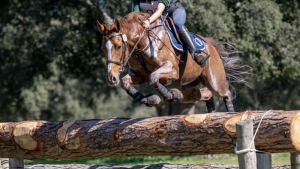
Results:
<point x="178" y="45"/>
<point x="170" y="24"/>
<point x="175" y="39"/>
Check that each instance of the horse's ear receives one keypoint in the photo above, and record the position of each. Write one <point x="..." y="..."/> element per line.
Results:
<point x="101" y="27"/>
<point x="118" y="25"/>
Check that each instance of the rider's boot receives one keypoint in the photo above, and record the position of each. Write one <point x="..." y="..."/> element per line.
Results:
<point x="187" y="40"/>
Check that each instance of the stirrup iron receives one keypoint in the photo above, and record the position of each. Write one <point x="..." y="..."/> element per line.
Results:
<point x="201" y="61"/>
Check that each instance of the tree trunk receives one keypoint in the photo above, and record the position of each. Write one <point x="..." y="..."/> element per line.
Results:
<point x="199" y="134"/>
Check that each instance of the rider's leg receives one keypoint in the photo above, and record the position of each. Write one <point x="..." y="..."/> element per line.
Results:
<point x="179" y="17"/>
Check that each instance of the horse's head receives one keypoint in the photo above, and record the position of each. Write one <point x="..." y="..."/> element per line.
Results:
<point x="114" y="47"/>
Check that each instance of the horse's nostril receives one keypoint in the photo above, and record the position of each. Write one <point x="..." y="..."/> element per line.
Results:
<point x="113" y="79"/>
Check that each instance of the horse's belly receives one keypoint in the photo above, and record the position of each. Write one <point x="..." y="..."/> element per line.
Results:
<point x="188" y="80"/>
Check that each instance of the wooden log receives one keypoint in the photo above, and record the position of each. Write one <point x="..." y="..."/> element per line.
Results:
<point x="199" y="134"/>
<point x="244" y="132"/>
<point x="295" y="160"/>
<point x="264" y="160"/>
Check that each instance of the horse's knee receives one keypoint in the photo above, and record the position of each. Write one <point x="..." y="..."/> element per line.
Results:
<point x="194" y="95"/>
<point x="125" y="82"/>
<point x="205" y="94"/>
<point x="154" y="79"/>
<point x="169" y="65"/>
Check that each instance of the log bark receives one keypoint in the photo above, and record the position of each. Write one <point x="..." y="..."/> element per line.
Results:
<point x="199" y="134"/>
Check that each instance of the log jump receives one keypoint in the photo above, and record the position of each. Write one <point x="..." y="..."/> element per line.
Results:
<point x="181" y="135"/>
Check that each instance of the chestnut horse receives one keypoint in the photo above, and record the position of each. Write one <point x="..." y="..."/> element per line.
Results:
<point x="157" y="63"/>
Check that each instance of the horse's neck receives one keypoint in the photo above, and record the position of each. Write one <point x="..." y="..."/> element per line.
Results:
<point x="148" y="38"/>
<point x="153" y="35"/>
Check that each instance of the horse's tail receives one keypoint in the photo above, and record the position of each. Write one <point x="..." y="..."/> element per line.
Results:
<point x="236" y="71"/>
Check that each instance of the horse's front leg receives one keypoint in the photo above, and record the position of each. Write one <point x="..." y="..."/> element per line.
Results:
<point x="165" y="72"/>
<point x="132" y="78"/>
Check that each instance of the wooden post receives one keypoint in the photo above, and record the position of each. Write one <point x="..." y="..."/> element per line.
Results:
<point x="16" y="163"/>
<point x="244" y="131"/>
<point x="4" y="163"/>
<point x="264" y="160"/>
<point x="295" y="160"/>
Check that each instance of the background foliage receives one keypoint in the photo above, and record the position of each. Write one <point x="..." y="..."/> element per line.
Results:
<point x="52" y="66"/>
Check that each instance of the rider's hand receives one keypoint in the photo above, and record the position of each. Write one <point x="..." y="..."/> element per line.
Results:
<point x="146" y="24"/>
<point x="161" y="7"/>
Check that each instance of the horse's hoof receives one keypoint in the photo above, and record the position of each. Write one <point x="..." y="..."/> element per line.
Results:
<point x="177" y="95"/>
<point x="152" y="100"/>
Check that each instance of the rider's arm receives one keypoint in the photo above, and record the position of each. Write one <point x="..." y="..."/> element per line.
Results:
<point x="166" y="2"/>
<point x="135" y="6"/>
<point x="161" y="7"/>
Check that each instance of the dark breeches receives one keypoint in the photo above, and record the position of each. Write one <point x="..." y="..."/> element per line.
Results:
<point x="179" y="17"/>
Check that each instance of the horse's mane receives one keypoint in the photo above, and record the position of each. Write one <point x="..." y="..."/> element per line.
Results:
<point x="132" y="18"/>
<point x="127" y="21"/>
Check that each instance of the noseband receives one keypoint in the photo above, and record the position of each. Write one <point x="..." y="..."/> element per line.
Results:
<point x="123" y="62"/>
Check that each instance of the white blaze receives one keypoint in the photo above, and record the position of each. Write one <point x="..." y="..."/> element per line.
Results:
<point x="109" y="47"/>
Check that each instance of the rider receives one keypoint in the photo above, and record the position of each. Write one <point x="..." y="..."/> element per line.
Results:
<point x="175" y="10"/>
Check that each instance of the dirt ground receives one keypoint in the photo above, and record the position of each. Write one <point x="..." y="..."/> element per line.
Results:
<point x="157" y="166"/>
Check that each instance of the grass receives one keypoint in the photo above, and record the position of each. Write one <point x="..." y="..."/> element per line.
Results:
<point x="281" y="158"/>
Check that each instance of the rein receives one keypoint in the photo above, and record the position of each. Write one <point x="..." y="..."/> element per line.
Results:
<point x="123" y="62"/>
<point x="158" y="38"/>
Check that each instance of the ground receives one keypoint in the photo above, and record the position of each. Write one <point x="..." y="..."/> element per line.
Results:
<point x="157" y="166"/>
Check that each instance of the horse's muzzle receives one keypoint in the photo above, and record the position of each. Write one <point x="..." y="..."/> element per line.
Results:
<point x="113" y="80"/>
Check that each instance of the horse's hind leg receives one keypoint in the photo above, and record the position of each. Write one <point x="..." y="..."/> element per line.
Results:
<point x="192" y="94"/>
<point x="210" y="105"/>
<point x="221" y="91"/>
<point x="214" y="78"/>
<point x="132" y="78"/>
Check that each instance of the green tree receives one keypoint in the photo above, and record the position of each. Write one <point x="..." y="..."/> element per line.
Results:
<point x="52" y="66"/>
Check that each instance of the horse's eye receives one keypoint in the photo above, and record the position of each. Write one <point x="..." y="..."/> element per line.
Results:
<point x="118" y="47"/>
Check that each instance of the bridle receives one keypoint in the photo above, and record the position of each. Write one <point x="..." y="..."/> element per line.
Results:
<point x="123" y="62"/>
